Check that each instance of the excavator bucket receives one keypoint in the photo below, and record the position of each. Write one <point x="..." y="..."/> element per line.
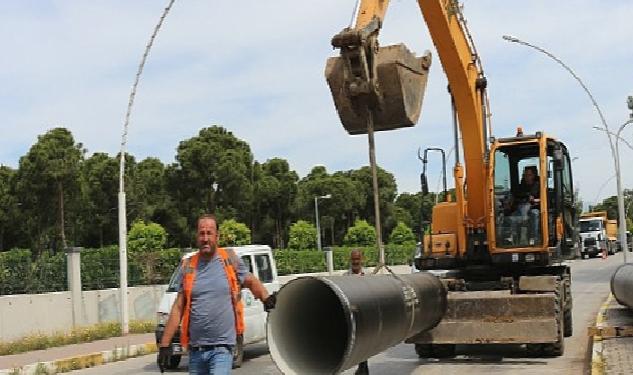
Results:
<point x="401" y="78"/>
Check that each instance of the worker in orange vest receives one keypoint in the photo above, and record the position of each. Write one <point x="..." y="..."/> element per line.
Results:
<point x="208" y="306"/>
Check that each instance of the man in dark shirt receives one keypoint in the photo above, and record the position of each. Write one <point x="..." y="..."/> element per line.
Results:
<point x="527" y="199"/>
<point x="356" y="269"/>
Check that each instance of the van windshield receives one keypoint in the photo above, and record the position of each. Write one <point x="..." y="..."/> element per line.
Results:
<point x="175" y="279"/>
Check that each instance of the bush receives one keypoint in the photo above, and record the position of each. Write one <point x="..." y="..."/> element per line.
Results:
<point x="402" y="235"/>
<point x="361" y="234"/>
<point x="79" y="335"/>
<point x="146" y="237"/>
<point x="233" y="233"/>
<point x="155" y="267"/>
<point x="302" y="236"/>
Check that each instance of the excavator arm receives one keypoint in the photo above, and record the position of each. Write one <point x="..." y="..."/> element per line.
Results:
<point x="467" y="86"/>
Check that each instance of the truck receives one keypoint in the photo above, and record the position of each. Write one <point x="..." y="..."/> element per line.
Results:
<point x="597" y="234"/>
<point x="613" y="244"/>
<point x="260" y="262"/>
<point x="501" y="252"/>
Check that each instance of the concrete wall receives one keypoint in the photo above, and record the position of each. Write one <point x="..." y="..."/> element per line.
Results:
<point x="22" y="315"/>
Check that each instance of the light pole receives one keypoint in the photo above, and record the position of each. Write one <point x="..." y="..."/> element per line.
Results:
<point x="616" y="159"/>
<point x="122" y="209"/>
<point x="316" y="213"/>
<point x="329" y="259"/>
<point x="618" y="171"/>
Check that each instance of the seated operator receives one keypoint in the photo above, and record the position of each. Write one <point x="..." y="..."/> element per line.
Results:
<point x="527" y="200"/>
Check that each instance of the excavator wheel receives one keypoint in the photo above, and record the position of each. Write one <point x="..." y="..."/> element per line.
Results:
<point x="567" y="315"/>
<point x="424" y="350"/>
<point x="435" y="350"/>
<point x="557" y="348"/>
<point x="444" y="350"/>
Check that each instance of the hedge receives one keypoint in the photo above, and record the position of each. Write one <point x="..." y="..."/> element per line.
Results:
<point x="306" y="261"/>
<point x="19" y="273"/>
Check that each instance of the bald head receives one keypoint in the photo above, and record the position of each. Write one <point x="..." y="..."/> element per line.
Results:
<point x="356" y="261"/>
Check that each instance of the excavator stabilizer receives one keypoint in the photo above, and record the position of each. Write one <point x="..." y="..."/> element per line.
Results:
<point x="401" y="80"/>
<point x="495" y="317"/>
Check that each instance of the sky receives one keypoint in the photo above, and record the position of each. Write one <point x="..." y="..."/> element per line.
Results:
<point x="257" y="68"/>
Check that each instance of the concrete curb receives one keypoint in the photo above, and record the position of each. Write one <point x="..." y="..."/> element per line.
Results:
<point x="82" y="361"/>
<point x="597" y="359"/>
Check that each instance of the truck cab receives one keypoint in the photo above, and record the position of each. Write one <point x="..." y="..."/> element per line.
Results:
<point x="593" y="239"/>
<point x="260" y="262"/>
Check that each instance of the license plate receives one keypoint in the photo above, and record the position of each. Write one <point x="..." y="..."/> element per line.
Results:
<point x="176" y="349"/>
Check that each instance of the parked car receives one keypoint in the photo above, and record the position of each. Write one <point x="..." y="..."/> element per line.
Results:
<point x="260" y="262"/>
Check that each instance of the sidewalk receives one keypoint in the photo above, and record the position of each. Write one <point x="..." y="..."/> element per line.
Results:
<point x="612" y="339"/>
<point x="71" y="356"/>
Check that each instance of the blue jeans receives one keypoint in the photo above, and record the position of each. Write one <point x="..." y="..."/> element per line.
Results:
<point x="216" y="361"/>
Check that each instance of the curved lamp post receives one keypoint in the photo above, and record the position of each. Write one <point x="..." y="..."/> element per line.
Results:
<point x="614" y="152"/>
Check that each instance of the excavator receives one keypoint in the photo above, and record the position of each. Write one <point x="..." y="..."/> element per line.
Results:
<point x="500" y="242"/>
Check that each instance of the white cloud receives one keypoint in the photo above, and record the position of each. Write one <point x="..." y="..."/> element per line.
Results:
<point x="257" y="68"/>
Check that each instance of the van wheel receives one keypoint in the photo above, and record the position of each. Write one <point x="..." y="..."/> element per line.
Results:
<point x="174" y="361"/>
<point x="238" y="352"/>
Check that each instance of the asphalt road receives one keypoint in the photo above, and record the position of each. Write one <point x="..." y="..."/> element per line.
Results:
<point x="590" y="287"/>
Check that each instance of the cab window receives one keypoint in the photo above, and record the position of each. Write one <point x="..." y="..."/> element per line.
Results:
<point x="247" y="262"/>
<point x="264" y="268"/>
<point x="517" y="178"/>
<point x="174" y="282"/>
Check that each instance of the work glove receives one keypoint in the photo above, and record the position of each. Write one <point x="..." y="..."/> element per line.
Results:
<point x="164" y="352"/>
<point x="270" y="302"/>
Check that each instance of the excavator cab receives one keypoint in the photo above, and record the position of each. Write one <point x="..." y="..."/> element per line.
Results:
<point x="533" y="201"/>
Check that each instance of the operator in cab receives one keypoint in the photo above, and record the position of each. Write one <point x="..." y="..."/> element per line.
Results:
<point x="527" y="201"/>
<point x="524" y="202"/>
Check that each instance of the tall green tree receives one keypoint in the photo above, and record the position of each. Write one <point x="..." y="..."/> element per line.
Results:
<point x="150" y="189"/>
<point x="212" y="173"/>
<point x="275" y="189"/>
<point x="8" y="204"/>
<point x="47" y="177"/>
<point x="610" y="205"/>
<point x="414" y="209"/>
<point x="387" y="191"/>
<point x="347" y="199"/>
<point x="100" y="184"/>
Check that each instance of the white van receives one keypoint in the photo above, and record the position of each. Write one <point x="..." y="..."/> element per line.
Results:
<point x="260" y="262"/>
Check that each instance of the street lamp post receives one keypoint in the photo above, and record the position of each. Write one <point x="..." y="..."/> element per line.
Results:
<point x="616" y="159"/>
<point x="121" y="197"/>
<point x="618" y="171"/>
<point x="316" y="213"/>
<point x="329" y="259"/>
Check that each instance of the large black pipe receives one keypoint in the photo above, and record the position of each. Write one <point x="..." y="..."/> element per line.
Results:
<point x="622" y="285"/>
<point x="325" y="325"/>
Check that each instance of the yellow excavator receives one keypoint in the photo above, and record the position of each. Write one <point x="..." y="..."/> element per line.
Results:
<point x="500" y="243"/>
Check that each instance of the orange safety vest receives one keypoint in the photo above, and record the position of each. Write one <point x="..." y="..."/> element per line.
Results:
<point x="229" y="262"/>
